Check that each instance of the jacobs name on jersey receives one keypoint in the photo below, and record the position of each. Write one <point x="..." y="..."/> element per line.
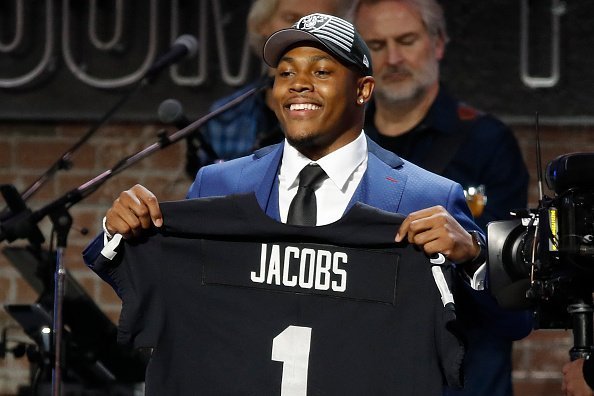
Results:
<point x="304" y="268"/>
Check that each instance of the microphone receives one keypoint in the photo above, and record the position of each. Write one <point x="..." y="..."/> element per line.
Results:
<point x="184" y="46"/>
<point x="171" y="111"/>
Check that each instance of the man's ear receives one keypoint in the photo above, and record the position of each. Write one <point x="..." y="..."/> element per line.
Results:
<point x="439" y="47"/>
<point x="365" y="87"/>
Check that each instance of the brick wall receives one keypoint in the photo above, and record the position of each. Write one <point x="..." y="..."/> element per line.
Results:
<point x="27" y="150"/>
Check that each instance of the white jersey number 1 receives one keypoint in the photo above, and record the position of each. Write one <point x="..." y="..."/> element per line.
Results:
<point x="292" y="348"/>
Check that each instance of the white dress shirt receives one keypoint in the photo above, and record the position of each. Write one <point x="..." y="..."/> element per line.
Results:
<point x="345" y="168"/>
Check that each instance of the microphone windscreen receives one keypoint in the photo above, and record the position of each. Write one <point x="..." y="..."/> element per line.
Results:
<point x="171" y="111"/>
<point x="188" y="41"/>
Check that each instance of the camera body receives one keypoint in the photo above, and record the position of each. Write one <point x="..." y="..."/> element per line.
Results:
<point x="544" y="259"/>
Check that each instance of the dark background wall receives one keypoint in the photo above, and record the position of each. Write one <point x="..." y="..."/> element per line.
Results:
<point x="42" y="116"/>
<point x="74" y="62"/>
<point x="485" y="59"/>
<point x="512" y="57"/>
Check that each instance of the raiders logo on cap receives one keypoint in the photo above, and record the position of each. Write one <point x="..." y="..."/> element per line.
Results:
<point x="338" y="36"/>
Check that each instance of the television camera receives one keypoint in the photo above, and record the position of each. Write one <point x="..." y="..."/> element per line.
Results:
<point x="544" y="258"/>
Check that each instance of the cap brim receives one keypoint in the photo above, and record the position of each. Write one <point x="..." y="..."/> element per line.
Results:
<point x="279" y="41"/>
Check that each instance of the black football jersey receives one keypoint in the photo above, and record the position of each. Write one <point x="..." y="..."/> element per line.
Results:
<point x="236" y="303"/>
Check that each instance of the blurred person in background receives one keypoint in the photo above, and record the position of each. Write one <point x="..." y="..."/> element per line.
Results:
<point x="413" y="115"/>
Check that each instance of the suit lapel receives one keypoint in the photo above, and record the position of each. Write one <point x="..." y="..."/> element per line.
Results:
<point x="260" y="176"/>
<point x="383" y="183"/>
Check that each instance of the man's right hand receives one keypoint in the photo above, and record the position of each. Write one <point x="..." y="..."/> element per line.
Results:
<point x="133" y="211"/>
<point x="574" y="383"/>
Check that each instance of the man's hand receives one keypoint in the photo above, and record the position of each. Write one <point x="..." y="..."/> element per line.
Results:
<point x="573" y="380"/>
<point x="134" y="210"/>
<point x="436" y="231"/>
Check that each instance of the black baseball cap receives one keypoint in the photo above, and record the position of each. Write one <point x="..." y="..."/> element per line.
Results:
<point x="338" y="36"/>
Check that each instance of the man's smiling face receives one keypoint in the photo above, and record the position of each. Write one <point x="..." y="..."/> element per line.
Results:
<point x="316" y="100"/>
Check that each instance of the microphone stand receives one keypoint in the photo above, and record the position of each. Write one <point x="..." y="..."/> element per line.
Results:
<point x="62" y="220"/>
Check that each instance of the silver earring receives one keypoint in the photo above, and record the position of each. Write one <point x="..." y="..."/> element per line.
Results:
<point x="361" y="100"/>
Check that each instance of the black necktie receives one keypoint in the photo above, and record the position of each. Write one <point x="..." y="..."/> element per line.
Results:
<point x="303" y="207"/>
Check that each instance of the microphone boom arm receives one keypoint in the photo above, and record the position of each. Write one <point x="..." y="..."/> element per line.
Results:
<point x="19" y="226"/>
<point x="65" y="162"/>
<point x="84" y="190"/>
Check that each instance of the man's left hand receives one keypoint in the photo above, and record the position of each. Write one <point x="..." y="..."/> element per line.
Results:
<point x="436" y="231"/>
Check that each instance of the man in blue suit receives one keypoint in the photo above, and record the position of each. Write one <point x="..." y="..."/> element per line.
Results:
<point x="322" y="83"/>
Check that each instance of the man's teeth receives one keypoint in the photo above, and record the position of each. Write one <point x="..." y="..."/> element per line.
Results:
<point x="303" y="106"/>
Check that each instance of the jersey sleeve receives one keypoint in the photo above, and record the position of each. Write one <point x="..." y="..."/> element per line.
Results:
<point x="136" y="280"/>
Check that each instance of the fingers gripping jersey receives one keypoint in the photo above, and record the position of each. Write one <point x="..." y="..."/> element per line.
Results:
<point x="235" y="303"/>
